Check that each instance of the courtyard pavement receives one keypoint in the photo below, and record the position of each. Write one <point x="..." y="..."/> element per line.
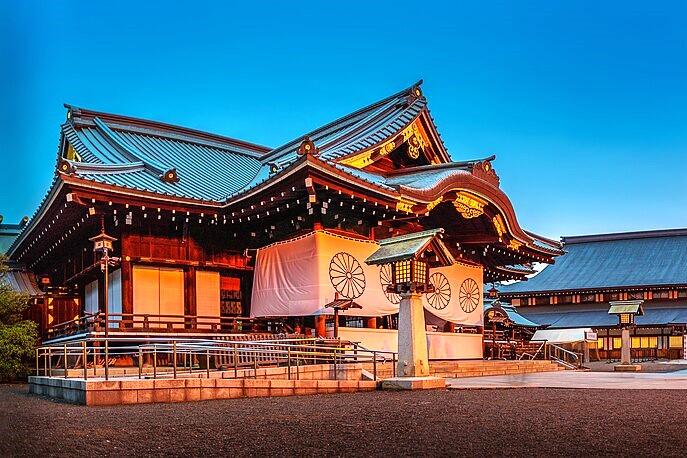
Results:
<point x="577" y="379"/>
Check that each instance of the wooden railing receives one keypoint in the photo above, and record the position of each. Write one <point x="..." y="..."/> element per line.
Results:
<point x="135" y="322"/>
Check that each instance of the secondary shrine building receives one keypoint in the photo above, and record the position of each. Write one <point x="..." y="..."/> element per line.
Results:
<point x="648" y="266"/>
<point x="217" y="236"/>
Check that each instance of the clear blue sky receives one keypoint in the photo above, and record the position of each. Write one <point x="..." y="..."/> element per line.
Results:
<point x="584" y="103"/>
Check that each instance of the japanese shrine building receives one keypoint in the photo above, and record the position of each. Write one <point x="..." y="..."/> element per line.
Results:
<point x="575" y="292"/>
<point x="210" y="228"/>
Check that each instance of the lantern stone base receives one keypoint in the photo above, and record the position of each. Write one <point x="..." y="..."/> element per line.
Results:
<point x="628" y="368"/>
<point x="414" y="383"/>
<point x="413" y="360"/>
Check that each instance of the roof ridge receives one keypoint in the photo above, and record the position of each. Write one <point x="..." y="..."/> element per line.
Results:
<point x="82" y="114"/>
<point x="570" y="240"/>
<point x="132" y="153"/>
<point x="444" y="165"/>
<point x="411" y="236"/>
<point x="93" y="169"/>
<point x="286" y="146"/>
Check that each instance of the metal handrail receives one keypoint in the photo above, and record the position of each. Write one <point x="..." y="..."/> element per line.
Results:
<point x="570" y="359"/>
<point x="542" y="346"/>
<point x="244" y="354"/>
<point x="576" y="357"/>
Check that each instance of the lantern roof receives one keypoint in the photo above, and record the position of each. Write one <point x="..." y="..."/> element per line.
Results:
<point x="102" y="236"/>
<point x="622" y="307"/>
<point x="343" y="304"/>
<point x="413" y="246"/>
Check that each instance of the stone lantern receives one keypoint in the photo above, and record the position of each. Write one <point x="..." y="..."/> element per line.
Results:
<point x="626" y="312"/>
<point x="411" y="256"/>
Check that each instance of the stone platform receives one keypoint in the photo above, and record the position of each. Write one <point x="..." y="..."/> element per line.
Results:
<point x="577" y="379"/>
<point x="414" y="383"/>
<point x="127" y="390"/>
<point x="627" y="368"/>
<point x="473" y="368"/>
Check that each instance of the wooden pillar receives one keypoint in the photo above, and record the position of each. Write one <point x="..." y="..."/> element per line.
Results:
<point x="127" y="293"/>
<point x="320" y="328"/>
<point x="101" y="295"/>
<point x="190" y="305"/>
<point x="493" y="340"/>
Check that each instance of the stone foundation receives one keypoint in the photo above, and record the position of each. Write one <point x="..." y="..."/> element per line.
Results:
<point x="138" y="391"/>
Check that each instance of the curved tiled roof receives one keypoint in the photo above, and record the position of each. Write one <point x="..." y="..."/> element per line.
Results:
<point x="133" y="156"/>
<point x="205" y="172"/>
<point x="212" y="167"/>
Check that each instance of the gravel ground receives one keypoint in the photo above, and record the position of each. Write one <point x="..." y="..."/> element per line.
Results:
<point x="519" y="422"/>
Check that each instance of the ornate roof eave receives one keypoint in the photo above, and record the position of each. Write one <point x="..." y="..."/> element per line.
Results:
<point x="420" y="199"/>
<point x="311" y="163"/>
<point x="129" y="192"/>
<point x="37" y="217"/>
<point x="436" y="136"/>
<point x="426" y="128"/>
<point x="468" y="182"/>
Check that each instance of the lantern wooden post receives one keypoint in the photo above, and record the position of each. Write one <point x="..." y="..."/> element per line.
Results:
<point x="102" y="243"/>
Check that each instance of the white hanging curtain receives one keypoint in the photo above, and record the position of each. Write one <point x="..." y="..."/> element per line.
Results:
<point x="458" y="294"/>
<point x="299" y="277"/>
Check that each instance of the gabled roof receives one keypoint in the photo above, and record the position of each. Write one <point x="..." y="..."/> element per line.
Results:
<point x="115" y="155"/>
<point x="634" y="259"/>
<point x="359" y="130"/>
<point x="136" y="154"/>
<point x="622" y="307"/>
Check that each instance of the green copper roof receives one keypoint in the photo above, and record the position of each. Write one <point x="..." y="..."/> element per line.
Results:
<point x="410" y="246"/>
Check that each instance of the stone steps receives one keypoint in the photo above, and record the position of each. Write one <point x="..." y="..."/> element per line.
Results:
<point x="459" y="369"/>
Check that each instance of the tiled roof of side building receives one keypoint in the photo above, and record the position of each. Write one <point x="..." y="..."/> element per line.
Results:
<point x="8" y="233"/>
<point x="650" y="258"/>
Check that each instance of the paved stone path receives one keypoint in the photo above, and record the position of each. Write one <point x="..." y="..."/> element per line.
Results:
<point x="573" y="379"/>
